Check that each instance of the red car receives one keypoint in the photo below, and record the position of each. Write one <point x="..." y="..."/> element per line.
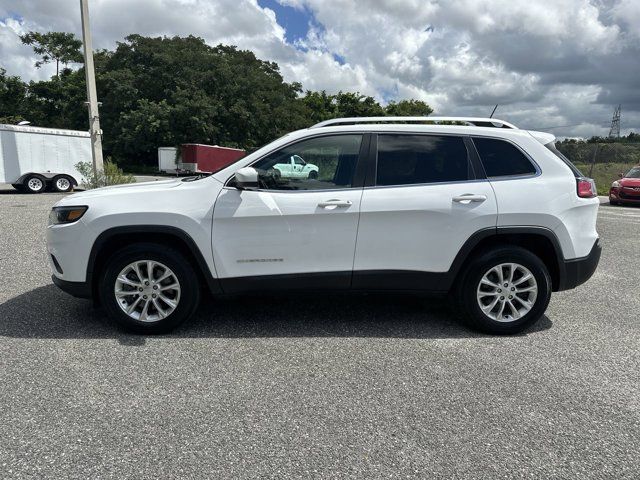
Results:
<point x="627" y="189"/>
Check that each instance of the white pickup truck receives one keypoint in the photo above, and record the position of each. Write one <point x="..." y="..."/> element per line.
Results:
<point x="33" y="159"/>
<point x="296" y="167"/>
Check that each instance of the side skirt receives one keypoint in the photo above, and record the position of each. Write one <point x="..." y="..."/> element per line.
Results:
<point x="369" y="280"/>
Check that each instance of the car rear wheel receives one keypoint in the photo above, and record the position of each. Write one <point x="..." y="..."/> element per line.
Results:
<point x="503" y="291"/>
<point x="149" y="288"/>
<point x="34" y="184"/>
<point x="62" y="184"/>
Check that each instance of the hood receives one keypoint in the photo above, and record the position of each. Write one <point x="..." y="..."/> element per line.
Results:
<point x="629" y="182"/>
<point x="127" y="188"/>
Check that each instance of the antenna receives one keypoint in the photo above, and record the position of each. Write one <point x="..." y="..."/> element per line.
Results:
<point x="614" y="131"/>
<point x="494" y="111"/>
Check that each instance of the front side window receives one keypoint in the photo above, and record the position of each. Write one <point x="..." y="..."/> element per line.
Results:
<point x="315" y="164"/>
<point x="413" y="159"/>
<point x="502" y="159"/>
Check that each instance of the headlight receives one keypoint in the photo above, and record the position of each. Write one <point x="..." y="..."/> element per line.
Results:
<point x="60" y="215"/>
<point x="615" y="184"/>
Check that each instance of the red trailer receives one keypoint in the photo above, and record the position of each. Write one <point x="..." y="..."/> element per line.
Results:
<point x="209" y="158"/>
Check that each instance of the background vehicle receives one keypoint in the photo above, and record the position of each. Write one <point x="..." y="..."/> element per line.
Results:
<point x="627" y="189"/>
<point x="196" y="158"/>
<point x="296" y="167"/>
<point x="33" y="159"/>
<point x="493" y="217"/>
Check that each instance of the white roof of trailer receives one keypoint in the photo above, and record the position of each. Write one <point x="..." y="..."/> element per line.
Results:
<point x="43" y="131"/>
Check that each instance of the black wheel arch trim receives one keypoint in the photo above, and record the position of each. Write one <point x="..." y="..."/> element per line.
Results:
<point x="567" y="275"/>
<point x="212" y="282"/>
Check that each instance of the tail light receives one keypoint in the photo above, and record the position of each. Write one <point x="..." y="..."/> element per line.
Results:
<point x="586" y="187"/>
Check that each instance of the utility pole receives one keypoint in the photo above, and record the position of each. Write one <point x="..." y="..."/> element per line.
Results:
<point x="92" y="97"/>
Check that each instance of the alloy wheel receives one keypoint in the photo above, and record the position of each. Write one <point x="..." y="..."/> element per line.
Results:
<point x="147" y="290"/>
<point x="507" y="292"/>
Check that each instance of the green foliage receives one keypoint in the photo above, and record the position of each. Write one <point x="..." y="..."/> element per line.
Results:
<point x="112" y="175"/>
<point x="14" y="104"/>
<point x="408" y="108"/>
<point x="605" y="173"/>
<point x="167" y="91"/>
<point x="322" y="106"/>
<point x="609" y="159"/>
<point x="60" y="47"/>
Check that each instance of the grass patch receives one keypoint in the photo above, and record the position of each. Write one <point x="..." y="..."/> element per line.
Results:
<point x="605" y="173"/>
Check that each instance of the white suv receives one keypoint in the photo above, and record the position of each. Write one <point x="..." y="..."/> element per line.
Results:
<point x="477" y="208"/>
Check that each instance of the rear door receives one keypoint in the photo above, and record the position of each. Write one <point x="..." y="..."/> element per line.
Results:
<point x="423" y="202"/>
<point x="293" y="232"/>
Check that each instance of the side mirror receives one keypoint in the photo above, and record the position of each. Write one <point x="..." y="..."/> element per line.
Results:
<point x="247" y="178"/>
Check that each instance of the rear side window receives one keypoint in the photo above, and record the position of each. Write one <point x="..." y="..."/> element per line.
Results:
<point x="502" y="159"/>
<point x="411" y="159"/>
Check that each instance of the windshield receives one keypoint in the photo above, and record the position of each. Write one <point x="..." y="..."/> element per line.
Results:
<point x="633" y="173"/>
<point x="552" y="147"/>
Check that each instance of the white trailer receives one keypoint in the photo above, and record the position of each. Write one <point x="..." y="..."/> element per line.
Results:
<point x="34" y="158"/>
<point x="167" y="159"/>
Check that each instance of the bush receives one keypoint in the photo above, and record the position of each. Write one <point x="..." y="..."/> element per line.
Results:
<point x="111" y="175"/>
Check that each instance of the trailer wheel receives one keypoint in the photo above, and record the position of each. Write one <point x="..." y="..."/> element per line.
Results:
<point x="34" y="184"/>
<point x="62" y="184"/>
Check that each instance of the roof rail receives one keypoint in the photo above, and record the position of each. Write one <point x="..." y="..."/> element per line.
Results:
<point x="474" y="121"/>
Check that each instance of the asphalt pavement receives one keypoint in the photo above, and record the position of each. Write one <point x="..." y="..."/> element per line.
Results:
<point x="317" y="387"/>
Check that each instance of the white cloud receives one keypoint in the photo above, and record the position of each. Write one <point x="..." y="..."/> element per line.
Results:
<point x="545" y="63"/>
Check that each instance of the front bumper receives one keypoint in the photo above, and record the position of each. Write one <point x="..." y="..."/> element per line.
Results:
<point x="76" y="289"/>
<point x="575" y="272"/>
<point x="619" y="195"/>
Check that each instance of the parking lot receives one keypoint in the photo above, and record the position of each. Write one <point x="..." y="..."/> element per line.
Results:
<point x="317" y="387"/>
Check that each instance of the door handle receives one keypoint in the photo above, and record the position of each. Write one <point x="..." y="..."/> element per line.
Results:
<point x="469" y="197"/>
<point x="335" y="203"/>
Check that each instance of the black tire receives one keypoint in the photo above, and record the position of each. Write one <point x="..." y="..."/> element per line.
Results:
<point x="465" y="295"/>
<point x="62" y="183"/>
<point x="174" y="260"/>
<point x="313" y="175"/>
<point x="34" y="184"/>
<point x="19" y="187"/>
<point x="613" y="202"/>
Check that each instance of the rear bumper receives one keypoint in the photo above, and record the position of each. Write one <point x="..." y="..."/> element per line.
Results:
<point x="76" y="289"/>
<point x="579" y="270"/>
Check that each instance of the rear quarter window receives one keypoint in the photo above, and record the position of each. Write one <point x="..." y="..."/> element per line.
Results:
<point x="502" y="159"/>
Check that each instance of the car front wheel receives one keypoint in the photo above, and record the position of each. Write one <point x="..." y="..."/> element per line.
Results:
<point x="149" y="288"/>
<point x="503" y="291"/>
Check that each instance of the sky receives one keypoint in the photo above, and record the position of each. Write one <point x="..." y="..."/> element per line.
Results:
<point x="555" y="65"/>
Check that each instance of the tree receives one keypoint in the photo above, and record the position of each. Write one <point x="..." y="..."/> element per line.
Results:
<point x="60" y="47"/>
<point x="13" y="99"/>
<point x="411" y="108"/>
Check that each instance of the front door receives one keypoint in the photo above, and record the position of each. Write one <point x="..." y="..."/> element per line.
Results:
<point x="292" y="232"/>
<point x="425" y="203"/>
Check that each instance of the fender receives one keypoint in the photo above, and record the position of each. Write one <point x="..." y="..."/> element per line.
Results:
<point x="498" y="232"/>
<point x="102" y="239"/>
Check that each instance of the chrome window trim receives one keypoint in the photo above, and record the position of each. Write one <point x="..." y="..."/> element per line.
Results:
<point x="405" y="185"/>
